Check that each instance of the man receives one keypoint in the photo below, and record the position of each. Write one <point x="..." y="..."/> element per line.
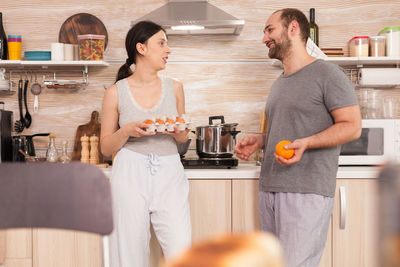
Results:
<point x="314" y="105"/>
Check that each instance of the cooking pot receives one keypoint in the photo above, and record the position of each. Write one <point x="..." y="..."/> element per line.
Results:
<point x="216" y="140"/>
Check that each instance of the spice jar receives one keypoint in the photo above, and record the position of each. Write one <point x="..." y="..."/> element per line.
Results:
<point x="64" y="155"/>
<point x="91" y="46"/>
<point x="377" y="46"/>
<point x="359" y="46"/>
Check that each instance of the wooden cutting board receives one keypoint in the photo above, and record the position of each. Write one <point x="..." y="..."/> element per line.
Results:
<point x="91" y="128"/>
<point x="82" y="23"/>
<point x="263" y="122"/>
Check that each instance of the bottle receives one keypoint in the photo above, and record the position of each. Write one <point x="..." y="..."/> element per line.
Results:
<point x="314" y="32"/>
<point x="3" y="41"/>
<point x="64" y="156"/>
<point x="51" y="154"/>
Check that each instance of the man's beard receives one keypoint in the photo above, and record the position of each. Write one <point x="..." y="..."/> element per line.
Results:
<point x="280" y="51"/>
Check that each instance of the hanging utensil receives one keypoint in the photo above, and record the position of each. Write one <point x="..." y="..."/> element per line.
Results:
<point x="28" y="118"/>
<point x="20" y="125"/>
<point x="36" y="89"/>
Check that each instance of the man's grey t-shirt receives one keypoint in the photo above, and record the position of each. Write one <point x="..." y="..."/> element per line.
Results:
<point x="298" y="106"/>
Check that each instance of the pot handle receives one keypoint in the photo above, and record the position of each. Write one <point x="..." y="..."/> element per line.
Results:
<point x="233" y="133"/>
<point x="40" y="134"/>
<point x="211" y="118"/>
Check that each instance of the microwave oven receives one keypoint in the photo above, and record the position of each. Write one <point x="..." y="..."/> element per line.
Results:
<point x="378" y="144"/>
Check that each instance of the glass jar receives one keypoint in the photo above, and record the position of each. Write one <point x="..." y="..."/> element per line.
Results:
<point x="64" y="155"/>
<point x="259" y="157"/>
<point x="51" y="153"/>
<point x="359" y="46"/>
<point x="377" y="46"/>
<point x="91" y="46"/>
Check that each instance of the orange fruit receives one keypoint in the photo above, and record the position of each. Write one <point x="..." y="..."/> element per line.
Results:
<point x="281" y="151"/>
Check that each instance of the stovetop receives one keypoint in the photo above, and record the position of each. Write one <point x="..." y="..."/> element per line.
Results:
<point x="209" y="163"/>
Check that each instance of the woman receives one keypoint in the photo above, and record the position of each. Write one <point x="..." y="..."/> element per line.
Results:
<point x="148" y="182"/>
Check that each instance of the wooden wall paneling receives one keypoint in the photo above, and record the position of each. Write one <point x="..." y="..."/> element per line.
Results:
<point x="221" y="74"/>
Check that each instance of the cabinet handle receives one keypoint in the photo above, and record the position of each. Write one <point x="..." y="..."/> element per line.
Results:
<point x="106" y="253"/>
<point x="342" y="192"/>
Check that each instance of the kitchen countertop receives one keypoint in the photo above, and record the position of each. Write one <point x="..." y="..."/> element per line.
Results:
<point x="250" y="171"/>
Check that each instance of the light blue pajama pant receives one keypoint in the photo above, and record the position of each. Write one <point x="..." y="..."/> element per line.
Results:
<point x="148" y="188"/>
<point x="300" y="221"/>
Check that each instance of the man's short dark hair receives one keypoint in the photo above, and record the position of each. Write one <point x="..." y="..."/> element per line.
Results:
<point x="290" y="14"/>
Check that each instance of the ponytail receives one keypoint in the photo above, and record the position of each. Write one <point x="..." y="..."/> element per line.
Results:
<point x="124" y="72"/>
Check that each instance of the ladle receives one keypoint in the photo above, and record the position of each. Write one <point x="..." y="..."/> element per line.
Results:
<point x="28" y="117"/>
<point x="36" y="89"/>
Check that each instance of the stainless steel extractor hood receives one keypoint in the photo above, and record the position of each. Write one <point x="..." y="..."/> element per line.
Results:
<point x="180" y="17"/>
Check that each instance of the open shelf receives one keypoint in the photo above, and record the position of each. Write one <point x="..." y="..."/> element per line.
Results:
<point x="49" y="63"/>
<point x="361" y="61"/>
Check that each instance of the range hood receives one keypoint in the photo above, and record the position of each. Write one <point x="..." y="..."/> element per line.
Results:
<point x="179" y="17"/>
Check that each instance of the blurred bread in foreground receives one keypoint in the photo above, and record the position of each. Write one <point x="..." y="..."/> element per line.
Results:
<point x="250" y="250"/>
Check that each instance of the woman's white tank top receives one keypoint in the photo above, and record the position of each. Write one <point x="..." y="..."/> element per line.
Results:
<point x="130" y="111"/>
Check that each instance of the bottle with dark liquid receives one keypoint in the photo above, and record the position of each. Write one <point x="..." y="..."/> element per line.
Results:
<point x="3" y="40"/>
<point x="314" y="33"/>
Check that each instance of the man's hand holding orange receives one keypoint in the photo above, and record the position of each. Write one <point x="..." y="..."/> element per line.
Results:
<point x="288" y="153"/>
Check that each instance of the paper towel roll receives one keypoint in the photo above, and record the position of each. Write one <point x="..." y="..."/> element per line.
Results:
<point x="379" y="77"/>
<point x="68" y="52"/>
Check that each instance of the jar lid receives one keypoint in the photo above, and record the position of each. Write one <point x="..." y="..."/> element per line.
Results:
<point x="359" y="37"/>
<point x="15" y="36"/>
<point x="378" y="37"/>
<point x="91" y="36"/>
<point x="390" y="29"/>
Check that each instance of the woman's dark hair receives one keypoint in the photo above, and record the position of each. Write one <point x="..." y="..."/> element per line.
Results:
<point x="290" y="14"/>
<point x="139" y="33"/>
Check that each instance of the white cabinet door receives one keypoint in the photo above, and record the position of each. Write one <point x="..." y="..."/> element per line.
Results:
<point x="245" y="214"/>
<point x="210" y="208"/>
<point x="210" y="213"/>
<point x="355" y="219"/>
<point x="18" y="251"/>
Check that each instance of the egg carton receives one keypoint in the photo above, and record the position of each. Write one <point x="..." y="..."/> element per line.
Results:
<point x="168" y="124"/>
